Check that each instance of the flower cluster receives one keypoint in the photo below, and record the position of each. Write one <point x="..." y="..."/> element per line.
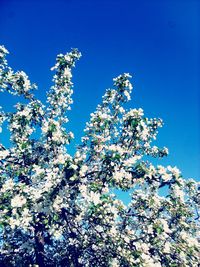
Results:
<point x="62" y="210"/>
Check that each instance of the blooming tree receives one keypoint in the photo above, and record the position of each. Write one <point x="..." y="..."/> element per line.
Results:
<point x="60" y="210"/>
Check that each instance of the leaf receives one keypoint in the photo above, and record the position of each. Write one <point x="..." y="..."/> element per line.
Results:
<point x="23" y="145"/>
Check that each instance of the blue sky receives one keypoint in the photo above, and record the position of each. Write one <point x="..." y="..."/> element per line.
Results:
<point x="156" y="41"/>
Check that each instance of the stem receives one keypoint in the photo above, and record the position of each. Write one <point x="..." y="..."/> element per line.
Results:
<point x="39" y="246"/>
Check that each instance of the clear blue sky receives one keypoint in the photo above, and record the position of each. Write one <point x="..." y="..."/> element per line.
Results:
<point x="157" y="41"/>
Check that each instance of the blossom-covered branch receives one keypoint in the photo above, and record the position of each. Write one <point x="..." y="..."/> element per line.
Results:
<point x="57" y="209"/>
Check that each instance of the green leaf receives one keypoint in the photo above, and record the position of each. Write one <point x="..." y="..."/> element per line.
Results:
<point x="23" y="145"/>
<point x="159" y="230"/>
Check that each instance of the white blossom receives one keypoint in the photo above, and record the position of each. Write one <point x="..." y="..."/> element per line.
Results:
<point x="4" y="154"/>
<point x="18" y="201"/>
<point x="62" y="209"/>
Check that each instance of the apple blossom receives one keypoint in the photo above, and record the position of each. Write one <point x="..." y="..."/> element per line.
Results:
<point x="58" y="209"/>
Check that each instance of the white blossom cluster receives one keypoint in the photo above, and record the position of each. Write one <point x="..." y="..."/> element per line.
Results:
<point x="60" y="210"/>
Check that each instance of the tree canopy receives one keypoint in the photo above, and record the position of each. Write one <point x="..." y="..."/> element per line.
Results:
<point x="58" y="209"/>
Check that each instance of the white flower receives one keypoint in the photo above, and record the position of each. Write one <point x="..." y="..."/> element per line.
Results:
<point x="4" y="154"/>
<point x="57" y="136"/>
<point x="178" y="192"/>
<point x="57" y="234"/>
<point x="174" y="170"/>
<point x="113" y="231"/>
<point x="118" y="175"/>
<point x="114" y="263"/>
<point x="36" y="193"/>
<point x="167" y="247"/>
<point x="95" y="198"/>
<point x="149" y="262"/>
<point x="24" y="112"/>
<point x="165" y="226"/>
<point x="104" y="116"/>
<point x="156" y="201"/>
<point x="67" y="73"/>
<point x="38" y="170"/>
<point x="149" y="229"/>
<point x="166" y="150"/>
<point x="126" y="239"/>
<point x="26" y="82"/>
<point x="57" y="205"/>
<point x="134" y="113"/>
<point x="190" y="240"/>
<point x="45" y="127"/>
<point x="99" y="228"/>
<point x="193" y="242"/>
<point x="94" y="247"/>
<point x="83" y="190"/>
<point x="154" y="149"/>
<point x="3" y="51"/>
<point x="67" y="57"/>
<point x="48" y="183"/>
<point x="18" y="201"/>
<point x="126" y="93"/>
<point x="183" y="235"/>
<point x="14" y="222"/>
<point x="166" y="177"/>
<point x="144" y="247"/>
<point x="15" y="125"/>
<point x="8" y="185"/>
<point x="161" y="170"/>
<point x="26" y="218"/>
<point x="121" y="110"/>
<point x="83" y="170"/>
<point x="116" y="148"/>
<point x="74" y="166"/>
<point x="131" y="161"/>
<point x="61" y="158"/>
<point x="71" y="135"/>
